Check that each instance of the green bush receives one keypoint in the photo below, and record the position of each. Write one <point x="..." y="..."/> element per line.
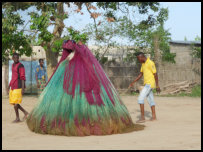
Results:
<point x="196" y="91"/>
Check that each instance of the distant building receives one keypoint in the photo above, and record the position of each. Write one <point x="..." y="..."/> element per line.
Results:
<point x="186" y="67"/>
<point x="198" y="43"/>
<point x="117" y="54"/>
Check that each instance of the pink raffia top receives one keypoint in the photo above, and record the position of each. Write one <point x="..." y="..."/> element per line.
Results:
<point x="84" y="71"/>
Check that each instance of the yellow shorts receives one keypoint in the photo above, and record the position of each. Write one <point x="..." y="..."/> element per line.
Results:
<point x="15" y="96"/>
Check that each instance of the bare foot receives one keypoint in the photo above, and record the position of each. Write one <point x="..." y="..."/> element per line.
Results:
<point x="25" y="117"/>
<point x="16" y="121"/>
<point x="152" y="119"/>
<point x="140" y="121"/>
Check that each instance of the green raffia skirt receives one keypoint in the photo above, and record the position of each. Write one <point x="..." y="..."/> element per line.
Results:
<point x="57" y="113"/>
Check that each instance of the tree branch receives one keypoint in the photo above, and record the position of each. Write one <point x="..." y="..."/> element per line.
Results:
<point x="95" y="25"/>
<point x="106" y="47"/>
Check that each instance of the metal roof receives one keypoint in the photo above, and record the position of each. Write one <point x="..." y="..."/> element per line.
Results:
<point x="186" y="42"/>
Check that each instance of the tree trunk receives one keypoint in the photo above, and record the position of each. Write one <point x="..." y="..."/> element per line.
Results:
<point x="157" y="54"/>
<point x="52" y="60"/>
<point x="52" y="57"/>
<point x="5" y="74"/>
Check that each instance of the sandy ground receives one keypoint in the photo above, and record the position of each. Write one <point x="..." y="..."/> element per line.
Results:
<point x="178" y="127"/>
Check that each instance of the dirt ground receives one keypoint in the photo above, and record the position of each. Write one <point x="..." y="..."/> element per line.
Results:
<point x="178" y="127"/>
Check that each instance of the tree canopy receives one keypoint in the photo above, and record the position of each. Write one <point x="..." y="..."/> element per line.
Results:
<point x="138" y="22"/>
<point x="12" y="39"/>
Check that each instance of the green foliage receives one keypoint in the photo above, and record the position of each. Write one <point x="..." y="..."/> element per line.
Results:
<point x="103" y="60"/>
<point x="143" y="34"/>
<point x="76" y="36"/>
<point x="162" y="16"/>
<point x="48" y="13"/>
<point x="12" y="39"/>
<point x="134" y="93"/>
<point x="169" y="57"/>
<point x="40" y="23"/>
<point x="144" y="43"/>
<point x="56" y="47"/>
<point x="17" y="5"/>
<point x="164" y="38"/>
<point x="144" y="7"/>
<point x="196" y="50"/>
<point x="108" y="5"/>
<point x="197" y="38"/>
<point x="196" y="91"/>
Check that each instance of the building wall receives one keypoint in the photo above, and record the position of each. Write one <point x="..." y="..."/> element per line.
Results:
<point x="121" y="75"/>
<point x="186" y="68"/>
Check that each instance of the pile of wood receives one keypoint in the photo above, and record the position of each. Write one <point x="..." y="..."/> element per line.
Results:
<point x="175" y="88"/>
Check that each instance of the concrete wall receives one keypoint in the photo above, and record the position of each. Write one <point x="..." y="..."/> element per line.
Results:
<point x="121" y="75"/>
<point x="185" y="68"/>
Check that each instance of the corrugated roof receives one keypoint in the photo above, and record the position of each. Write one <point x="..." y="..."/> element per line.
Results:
<point x="186" y="42"/>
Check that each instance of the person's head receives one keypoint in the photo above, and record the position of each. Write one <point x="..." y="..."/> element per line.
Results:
<point x="15" y="57"/>
<point x="41" y="62"/>
<point x="141" y="57"/>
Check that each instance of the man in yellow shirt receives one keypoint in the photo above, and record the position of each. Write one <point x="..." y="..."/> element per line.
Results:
<point x="148" y="69"/>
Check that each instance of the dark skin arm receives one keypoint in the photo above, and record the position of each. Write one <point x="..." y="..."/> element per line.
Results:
<point x="23" y="86"/>
<point x="138" y="77"/>
<point x="157" y="84"/>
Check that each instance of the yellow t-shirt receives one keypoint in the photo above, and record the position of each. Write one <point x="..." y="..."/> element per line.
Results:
<point x="148" y="69"/>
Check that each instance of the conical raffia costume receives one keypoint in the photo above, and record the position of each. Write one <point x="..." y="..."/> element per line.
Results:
<point x="79" y="99"/>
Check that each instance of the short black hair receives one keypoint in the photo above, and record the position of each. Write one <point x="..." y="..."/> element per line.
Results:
<point x="41" y="60"/>
<point x="139" y="53"/>
<point x="15" y="54"/>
